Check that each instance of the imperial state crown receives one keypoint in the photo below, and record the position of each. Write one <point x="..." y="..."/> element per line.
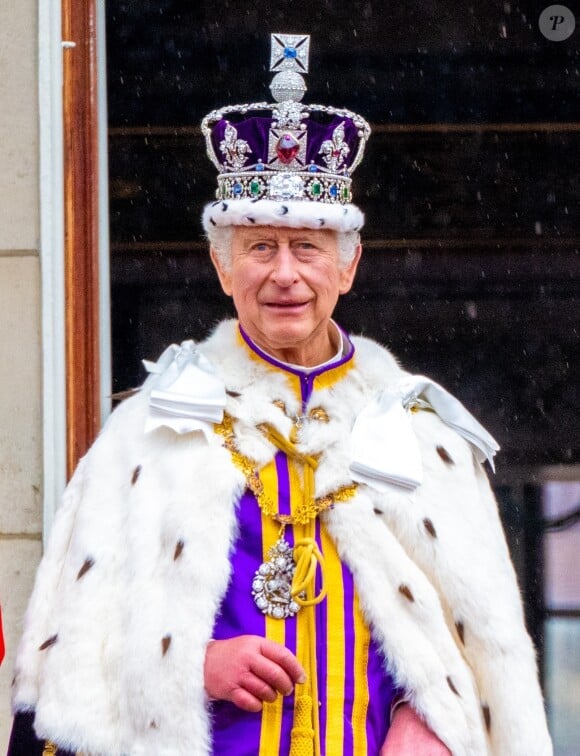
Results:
<point x="285" y="163"/>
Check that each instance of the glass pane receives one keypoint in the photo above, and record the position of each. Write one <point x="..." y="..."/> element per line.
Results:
<point x="562" y="680"/>
<point x="562" y="546"/>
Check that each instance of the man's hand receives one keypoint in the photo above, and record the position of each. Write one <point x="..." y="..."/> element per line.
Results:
<point x="409" y="736"/>
<point x="248" y="669"/>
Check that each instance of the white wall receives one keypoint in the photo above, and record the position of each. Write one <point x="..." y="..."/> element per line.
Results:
<point x="20" y="327"/>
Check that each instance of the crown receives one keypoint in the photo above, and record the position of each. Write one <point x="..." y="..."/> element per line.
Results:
<point x="285" y="151"/>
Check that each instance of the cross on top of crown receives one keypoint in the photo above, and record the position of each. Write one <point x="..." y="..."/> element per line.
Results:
<point x="289" y="52"/>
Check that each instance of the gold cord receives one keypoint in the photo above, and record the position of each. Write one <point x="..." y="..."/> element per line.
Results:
<point x="308" y="557"/>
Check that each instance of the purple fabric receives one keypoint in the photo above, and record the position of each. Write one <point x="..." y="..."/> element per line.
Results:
<point x="306" y="379"/>
<point x="255" y="131"/>
<point x="321" y="650"/>
<point x="382" y="692"/>
<point x="348" y="592"/>
<point x="237" y="733"/>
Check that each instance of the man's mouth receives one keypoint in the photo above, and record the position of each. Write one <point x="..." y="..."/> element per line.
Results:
<point x="285" y="305"/>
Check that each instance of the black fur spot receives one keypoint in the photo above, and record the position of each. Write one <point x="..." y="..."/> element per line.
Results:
<point x="406" y="592"/>
<point x="48" y="643"/>
<point x="445" y="456"/>
<point x="88" y="563"/>
<point x="452" y="685"/>
<point x="136" y="474"/>
<point x="178" y="550"/>
<point x="486" y="716"/>
<point x="429" y="527"/>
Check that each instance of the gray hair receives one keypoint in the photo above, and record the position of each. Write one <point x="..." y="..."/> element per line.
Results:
<point x="221" y="237"/>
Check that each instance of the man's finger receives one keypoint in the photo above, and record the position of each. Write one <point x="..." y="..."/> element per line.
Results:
<point x="245" y="700"/>
<point x="285" y="658"/>
<point x="272" y="674"/>
<point x="258" y="687"/>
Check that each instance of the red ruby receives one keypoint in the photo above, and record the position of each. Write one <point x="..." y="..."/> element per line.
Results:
<point x="287" y="148"/>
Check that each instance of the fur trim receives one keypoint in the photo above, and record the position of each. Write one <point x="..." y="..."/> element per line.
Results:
<point x="290" y="214"/>
<point x="137" y="565"/>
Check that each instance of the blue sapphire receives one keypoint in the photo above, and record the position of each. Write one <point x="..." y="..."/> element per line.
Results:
<point x="238" y="189"/>
<point x="260" y="167"/>
<point x="312" y="168"/>
<point x="333" y="191"/>
<point x="290" y="52"/>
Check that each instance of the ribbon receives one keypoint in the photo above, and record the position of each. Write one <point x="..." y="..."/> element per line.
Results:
<point x="384" y="449"/>
<point x="188" y="395"/>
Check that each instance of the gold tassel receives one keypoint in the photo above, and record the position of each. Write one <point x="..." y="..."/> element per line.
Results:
<point x="302" y="737"/>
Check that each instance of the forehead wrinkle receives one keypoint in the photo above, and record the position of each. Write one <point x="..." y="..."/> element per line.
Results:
<point x="271" y="233"/>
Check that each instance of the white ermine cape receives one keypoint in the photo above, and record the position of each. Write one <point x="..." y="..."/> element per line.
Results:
<point x="112" y="653"/>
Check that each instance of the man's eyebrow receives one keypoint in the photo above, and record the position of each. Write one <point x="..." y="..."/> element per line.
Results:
<point x="259" y="239"/>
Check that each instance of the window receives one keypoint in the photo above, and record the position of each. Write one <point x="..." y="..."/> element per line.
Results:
<point x="561" y="509"/>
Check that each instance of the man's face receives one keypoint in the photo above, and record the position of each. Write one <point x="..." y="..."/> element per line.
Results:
<point x="285" y="284"/>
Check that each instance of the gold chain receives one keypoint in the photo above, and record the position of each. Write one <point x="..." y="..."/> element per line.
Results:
<point x="311" y="507"/>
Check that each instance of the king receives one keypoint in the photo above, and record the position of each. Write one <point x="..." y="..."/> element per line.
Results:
<point x="283" y="543"/>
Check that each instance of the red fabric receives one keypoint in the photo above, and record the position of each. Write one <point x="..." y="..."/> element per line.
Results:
<point x="1" y="638"/>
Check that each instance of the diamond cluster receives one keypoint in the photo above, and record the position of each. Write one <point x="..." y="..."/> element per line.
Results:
<point x="272" y="583"/>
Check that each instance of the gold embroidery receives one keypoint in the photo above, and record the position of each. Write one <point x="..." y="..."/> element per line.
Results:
<point x="49" y="748"/>
<point x="320" y="414"/>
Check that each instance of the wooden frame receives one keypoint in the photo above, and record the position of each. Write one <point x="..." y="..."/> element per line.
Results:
<point x="80" y="143"/>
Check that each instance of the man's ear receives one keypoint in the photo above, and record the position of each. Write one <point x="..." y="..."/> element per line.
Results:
<point x="348" y="273"/>
<point x="224" y="275"/>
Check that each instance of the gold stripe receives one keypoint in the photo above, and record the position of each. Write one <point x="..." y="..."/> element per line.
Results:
<point x="335" y="648"/>
<point x="305" y="625"/>
<point x="275" y="630"/>
<point x="361" y="686"/>
<point x="333" y="375"/>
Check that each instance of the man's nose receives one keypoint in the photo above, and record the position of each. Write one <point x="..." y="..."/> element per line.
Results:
<point x="285" y="271"/>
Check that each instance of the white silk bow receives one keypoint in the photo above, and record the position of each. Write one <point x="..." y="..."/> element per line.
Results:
<point x="188" y="395"/>
<point x="384" y="448"/>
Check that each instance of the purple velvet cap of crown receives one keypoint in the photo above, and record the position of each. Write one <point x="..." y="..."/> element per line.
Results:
<point x="256" y="132"/>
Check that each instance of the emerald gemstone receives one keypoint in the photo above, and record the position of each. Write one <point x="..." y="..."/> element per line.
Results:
<point x="316" y="189"/>
<point x="255" y="187"/>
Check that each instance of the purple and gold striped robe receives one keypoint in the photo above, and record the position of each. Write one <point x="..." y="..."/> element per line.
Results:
<point x="354" y="690"/>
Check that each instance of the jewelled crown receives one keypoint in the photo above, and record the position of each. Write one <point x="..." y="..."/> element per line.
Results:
<point x="272" y="156"/>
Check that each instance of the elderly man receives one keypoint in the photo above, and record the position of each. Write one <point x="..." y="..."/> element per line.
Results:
<point x="283" y="544"/>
